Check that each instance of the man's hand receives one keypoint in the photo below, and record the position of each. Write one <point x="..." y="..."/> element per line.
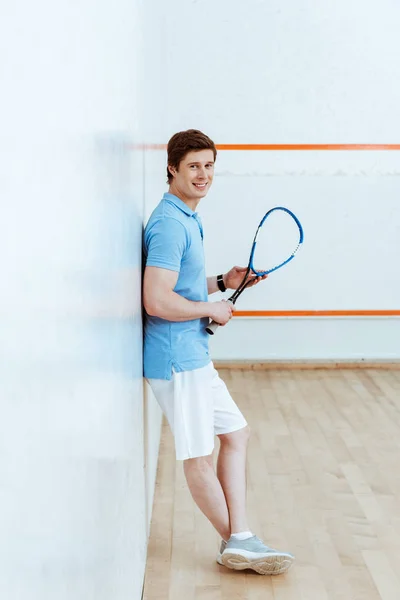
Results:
<point x="221" y="312"/>
<point x="234" y="277"/>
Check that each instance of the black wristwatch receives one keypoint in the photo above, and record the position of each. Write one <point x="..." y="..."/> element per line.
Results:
<point x="220" y="283"/>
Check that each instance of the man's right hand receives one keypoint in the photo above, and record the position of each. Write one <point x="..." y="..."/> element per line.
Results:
<point x="221" y="312"/>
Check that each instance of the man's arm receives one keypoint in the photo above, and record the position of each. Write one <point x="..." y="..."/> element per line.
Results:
<point x="212" y="286"/>
<point x="160" y="300"/>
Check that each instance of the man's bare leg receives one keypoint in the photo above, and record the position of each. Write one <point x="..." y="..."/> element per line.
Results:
<point x="207" y="492"/>
<point x="231" y="472"/>
<point x="222" y="496"/>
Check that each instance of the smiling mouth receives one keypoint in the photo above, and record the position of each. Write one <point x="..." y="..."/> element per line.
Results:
<point x="200" y="186"/>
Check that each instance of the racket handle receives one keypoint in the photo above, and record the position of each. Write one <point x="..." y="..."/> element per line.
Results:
<point x="213" y="326"/>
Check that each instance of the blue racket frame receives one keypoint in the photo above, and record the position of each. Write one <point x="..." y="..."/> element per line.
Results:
<point x="253" y="249"/>
<point x="213" y="326"/>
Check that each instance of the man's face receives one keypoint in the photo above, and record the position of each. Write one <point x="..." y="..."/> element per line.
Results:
<point x="194" y="177"/>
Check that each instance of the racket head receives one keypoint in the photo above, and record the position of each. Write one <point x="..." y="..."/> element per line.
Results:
<point x="298" y="237"/>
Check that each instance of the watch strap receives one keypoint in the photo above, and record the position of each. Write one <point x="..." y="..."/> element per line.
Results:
<point x="220" y="283"/>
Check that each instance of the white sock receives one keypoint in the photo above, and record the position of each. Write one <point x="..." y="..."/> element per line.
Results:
<point x="242" y="535"/>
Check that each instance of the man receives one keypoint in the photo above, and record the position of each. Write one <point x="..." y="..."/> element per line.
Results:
<point x="177" y="364"/>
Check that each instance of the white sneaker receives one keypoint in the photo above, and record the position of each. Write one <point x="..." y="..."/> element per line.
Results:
<point x="254" y="554"/>
<point x="219" y="555"/>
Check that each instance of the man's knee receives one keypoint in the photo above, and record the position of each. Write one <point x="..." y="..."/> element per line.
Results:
<point x="199" y="463"/>
<point x="236" y="438"/>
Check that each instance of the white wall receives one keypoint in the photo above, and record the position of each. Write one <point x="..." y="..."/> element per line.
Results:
<point x="72" y="493"/>
<point x="311" y="72"/>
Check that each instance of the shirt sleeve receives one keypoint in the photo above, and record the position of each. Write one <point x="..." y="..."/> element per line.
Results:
<point x="165" y="243"/>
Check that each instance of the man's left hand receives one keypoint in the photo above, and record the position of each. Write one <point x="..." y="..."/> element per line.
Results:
<point x="233" y="278"/>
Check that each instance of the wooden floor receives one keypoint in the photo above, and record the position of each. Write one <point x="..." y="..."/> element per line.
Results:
<point x="323" y="483"/>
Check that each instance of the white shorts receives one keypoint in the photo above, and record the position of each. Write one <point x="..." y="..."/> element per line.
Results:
<point x="198" y="407"/>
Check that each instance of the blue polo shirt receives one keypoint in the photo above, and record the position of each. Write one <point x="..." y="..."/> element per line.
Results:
<point x="173" y="239"/>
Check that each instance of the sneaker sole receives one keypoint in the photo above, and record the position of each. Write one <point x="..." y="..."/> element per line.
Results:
<point x="268" y="565"/>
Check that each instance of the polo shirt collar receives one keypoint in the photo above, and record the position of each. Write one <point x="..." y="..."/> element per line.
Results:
<point x="179" y="203"/>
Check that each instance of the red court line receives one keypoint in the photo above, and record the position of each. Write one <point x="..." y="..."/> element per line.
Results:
<point x="316" y="313"/>
<point x="291" y="147"/>
<point x="283" y="147"/>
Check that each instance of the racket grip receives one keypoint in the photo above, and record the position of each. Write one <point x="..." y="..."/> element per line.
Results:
<point x="213" y="326"/>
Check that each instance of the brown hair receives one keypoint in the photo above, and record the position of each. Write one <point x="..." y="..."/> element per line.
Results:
<point x="184" y="142"/>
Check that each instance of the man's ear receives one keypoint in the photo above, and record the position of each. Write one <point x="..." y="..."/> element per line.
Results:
<point x="172" y="170"/>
